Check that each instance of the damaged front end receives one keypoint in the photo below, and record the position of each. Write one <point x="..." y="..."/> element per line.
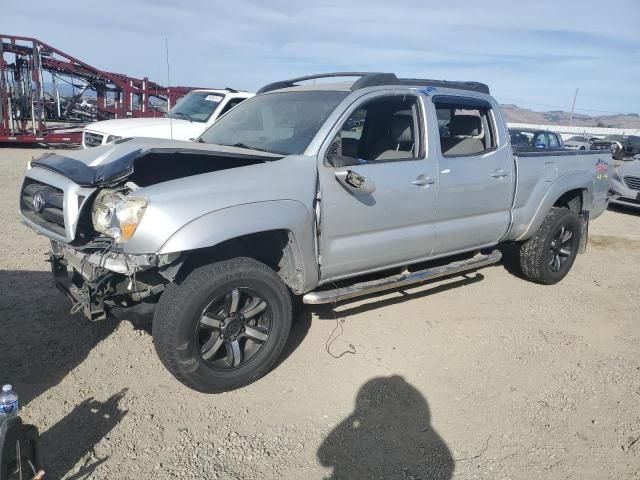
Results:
<point x="91" y="203"/>
<point x="100" y="281"/>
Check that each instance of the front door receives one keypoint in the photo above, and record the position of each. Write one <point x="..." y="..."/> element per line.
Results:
<point x="378" y="189"/>
<point x="476" y="176"/>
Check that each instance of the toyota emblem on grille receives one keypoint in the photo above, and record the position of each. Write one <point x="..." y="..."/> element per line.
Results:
<point x="38" y="202"/>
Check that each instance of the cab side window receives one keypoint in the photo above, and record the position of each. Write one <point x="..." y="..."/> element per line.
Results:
<point x="465" y="125"/>
<point x="384" y="129"/>
<point x="541" y="140"/>
<point x="553" y="141"/>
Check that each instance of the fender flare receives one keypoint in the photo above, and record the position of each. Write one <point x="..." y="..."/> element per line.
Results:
<point x="569" y="181"/>
<point x="225" y="224"/>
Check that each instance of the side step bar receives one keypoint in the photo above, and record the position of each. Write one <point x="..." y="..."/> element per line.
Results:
<point x="400" y="280"/>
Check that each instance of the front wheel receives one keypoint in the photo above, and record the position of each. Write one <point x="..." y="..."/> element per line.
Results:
<point x="224" y="326"/>
<point x="548" y="256"/>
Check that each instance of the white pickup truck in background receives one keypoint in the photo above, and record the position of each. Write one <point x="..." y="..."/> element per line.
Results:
<point x="191" y="115"/>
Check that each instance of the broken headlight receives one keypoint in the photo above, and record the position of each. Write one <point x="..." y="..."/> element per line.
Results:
<point x="116" y="215"/>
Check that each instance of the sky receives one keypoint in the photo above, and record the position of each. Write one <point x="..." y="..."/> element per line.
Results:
<point x="533" y="54"/>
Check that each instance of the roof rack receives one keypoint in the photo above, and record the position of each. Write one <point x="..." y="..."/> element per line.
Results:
<point x="376" y="79"/>
<point x="292" y="82"/>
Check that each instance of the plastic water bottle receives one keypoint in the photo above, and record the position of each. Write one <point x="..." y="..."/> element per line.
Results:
<point x="8" y="402"/>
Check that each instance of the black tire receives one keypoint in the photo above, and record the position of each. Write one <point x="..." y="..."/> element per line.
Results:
<point x="547" y="257"/>
<point x="178" y="326"/>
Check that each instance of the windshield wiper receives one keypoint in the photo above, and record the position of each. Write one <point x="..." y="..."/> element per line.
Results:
<point x="186" y="115"/>
<point x="244" y="145"/>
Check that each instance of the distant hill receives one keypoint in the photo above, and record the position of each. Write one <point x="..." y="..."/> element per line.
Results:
<point x="517" y="114"/>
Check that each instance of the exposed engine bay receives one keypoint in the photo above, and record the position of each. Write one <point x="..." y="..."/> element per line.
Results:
<point x="148" y="167"/>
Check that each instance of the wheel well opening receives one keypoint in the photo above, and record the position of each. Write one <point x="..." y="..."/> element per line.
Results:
<point x="275" y="248"/>
<point x="573" y="200"/>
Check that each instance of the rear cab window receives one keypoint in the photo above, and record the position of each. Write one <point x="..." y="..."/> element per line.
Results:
<point x="466" y="126"/>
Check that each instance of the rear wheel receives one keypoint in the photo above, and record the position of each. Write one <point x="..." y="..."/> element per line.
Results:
<point x="224" y="326"/>
<point x="548" y="256"/>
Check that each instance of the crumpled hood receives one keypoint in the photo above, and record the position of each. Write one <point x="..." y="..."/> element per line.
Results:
<point x="160" y="127"/>
<point x="115" y="161"/>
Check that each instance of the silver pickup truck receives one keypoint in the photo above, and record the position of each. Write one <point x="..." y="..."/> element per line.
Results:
<point x="320" y="192"/>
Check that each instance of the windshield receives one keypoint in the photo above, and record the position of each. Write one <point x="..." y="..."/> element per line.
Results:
<point x="283" y="123"/>
<point x="196" y="106"/>
<point x="577" y="139"/>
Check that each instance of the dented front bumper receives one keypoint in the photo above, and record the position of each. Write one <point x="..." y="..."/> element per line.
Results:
<point x="103" y="282"/>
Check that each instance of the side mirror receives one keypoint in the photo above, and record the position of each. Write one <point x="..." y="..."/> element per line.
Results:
<point x="355" y="183"/>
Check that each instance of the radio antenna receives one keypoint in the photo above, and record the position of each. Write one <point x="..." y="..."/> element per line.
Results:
<point x="166" y="48"/>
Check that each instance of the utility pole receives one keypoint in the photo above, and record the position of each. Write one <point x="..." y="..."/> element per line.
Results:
<point x="573" y="105"/>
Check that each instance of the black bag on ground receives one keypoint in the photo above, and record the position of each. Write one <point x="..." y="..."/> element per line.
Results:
<point x="19" y="450"/>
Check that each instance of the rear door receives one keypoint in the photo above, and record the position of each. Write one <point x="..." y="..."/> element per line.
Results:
<point x="476" y="175"/>
<point x="378" y="188"/>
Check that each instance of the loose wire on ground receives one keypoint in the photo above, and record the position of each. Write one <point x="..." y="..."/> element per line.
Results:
<point x="339" y="324"/>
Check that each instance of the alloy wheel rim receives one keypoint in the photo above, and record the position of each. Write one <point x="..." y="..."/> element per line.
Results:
<point x="233" y="328"/>
<point x="560" y="249"/>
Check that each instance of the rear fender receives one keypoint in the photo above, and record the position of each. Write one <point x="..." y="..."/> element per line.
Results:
<point x="570" y="181"/>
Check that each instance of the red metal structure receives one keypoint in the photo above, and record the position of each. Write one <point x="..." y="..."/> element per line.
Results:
<point x="26" y="105"/>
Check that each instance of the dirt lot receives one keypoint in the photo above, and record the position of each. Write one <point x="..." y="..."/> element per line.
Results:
<point x="482" y="377"/>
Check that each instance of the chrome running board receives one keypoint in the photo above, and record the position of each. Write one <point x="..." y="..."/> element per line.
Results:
<point x="401" y="280"/>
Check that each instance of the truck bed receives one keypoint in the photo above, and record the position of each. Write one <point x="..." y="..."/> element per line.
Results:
<point x="543" y="175"/>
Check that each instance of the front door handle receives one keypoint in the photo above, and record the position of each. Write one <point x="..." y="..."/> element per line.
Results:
<point x="499" y="173"/>
<point x="423" y="181"/>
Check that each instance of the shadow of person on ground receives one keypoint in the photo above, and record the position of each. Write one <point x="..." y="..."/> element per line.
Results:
<point x="388" y="436"/>
<point x="41" y="342"/>
<point x="74" y="437"/>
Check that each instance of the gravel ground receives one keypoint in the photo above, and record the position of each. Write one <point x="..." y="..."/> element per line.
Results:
<point x="481" y="377"/>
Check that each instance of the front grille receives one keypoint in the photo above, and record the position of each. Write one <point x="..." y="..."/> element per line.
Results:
<point x="600" y="146"/>
<point x="92" y="139"/>
<point x="632" y="182"/>
<point x="43" y="205"/>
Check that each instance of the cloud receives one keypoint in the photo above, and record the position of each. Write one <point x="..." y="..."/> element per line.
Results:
<point x="536" y="52"/>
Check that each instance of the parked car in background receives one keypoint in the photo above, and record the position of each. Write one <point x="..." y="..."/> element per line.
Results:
<point x="616" y="145"/>
<point x="600" y="144"/>
<point x="631" y="145"/>
<point x="530" y="137"/>
<point x="189" y="117"/>
<point x="578" y="143"/>
<point x="625" y="184"/>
